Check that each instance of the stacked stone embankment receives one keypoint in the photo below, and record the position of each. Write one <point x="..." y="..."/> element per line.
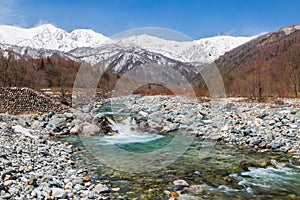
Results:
<point x="25" y="100"/>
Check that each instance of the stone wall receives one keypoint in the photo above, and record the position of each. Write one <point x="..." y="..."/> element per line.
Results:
<point x="25" y="100"/>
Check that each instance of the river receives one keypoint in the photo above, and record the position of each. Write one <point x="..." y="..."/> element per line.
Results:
<point x="224" y="172"/>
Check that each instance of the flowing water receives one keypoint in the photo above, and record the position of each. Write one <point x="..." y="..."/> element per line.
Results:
<point x="225" y="172"/>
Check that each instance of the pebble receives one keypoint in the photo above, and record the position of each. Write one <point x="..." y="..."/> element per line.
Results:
<point x="180" y="182"/>
<point x="174" y="195"/>
<point x="35" y="167"/>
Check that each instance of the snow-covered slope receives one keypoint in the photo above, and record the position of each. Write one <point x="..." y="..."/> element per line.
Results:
<point x="204" y="50"/>
<point x="290" y="29"/>
<point x="18" y="52"/>
<point x="50" y="37"/>
<point x="119" y="59"/>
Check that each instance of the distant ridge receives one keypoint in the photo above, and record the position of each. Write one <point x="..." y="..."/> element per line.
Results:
<point x="49" y="37"/>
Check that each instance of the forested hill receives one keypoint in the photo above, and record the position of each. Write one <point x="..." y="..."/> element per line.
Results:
<point x="266" y="66"/>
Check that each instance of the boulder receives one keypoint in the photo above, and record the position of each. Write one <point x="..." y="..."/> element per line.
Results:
<point x="89" y="129"/>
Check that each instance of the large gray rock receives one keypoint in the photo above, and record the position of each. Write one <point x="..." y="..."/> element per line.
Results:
<point x="59" y="193"/>
<point x="90" y="129"/>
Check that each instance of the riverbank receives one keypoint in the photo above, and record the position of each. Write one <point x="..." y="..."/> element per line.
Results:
<point x="32" y="166"/>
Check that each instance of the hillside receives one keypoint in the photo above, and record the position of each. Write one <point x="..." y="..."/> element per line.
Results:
<point x="266" y="66"/>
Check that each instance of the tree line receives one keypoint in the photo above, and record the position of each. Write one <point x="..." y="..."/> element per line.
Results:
<point x="37" y="73"/>
<point x="263" y="78"/>
<point x="278" y="77"/>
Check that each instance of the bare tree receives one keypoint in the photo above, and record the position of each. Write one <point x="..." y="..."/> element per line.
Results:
<point x="292" y="65"/>
<point x="257" y="80"/>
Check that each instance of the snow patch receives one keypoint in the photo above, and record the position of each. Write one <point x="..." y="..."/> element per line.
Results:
<point x="290" y="29"/>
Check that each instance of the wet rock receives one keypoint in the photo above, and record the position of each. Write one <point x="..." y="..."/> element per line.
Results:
<point x="193" y="190"/>
<point x="115" y="189"/>
<point x="86" y="179"/>
<point x="178" y="187"/>
<point x="174" y="194"/>
<point x="100" y="188"/>
<point x="180" y="182"/>
<point x="1" y="186"/>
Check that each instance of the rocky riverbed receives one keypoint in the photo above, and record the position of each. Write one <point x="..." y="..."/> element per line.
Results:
<point x="35" y="167"/>
<point x="264" y="126"/>
<point x="32" y="166"/>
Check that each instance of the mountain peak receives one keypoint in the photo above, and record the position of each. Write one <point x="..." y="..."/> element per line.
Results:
<point x="48" y="36"/>
<point x="205" y="50"/>
<point x="46" y="26"/>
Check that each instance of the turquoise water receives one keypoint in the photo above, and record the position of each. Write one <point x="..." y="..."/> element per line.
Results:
<point x="225" y="172"/>
<point x="146" y="147"/>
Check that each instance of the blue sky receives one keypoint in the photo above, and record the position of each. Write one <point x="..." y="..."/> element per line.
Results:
<point x="195" y="18"/>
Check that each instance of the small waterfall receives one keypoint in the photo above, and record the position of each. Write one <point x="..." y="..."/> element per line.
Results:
<point x="127" y="133"/>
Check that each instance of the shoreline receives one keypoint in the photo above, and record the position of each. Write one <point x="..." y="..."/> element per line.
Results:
<point x="33" y="166"/>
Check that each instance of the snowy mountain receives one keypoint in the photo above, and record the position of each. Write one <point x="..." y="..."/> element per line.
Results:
<point x="115" y="59"/>
<point x="49" y="37"/>
<point x="19" y="52"/>
<point x="119" y="60"/>
<point x="204" y="50"/>
<point x="200" y="51"/>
